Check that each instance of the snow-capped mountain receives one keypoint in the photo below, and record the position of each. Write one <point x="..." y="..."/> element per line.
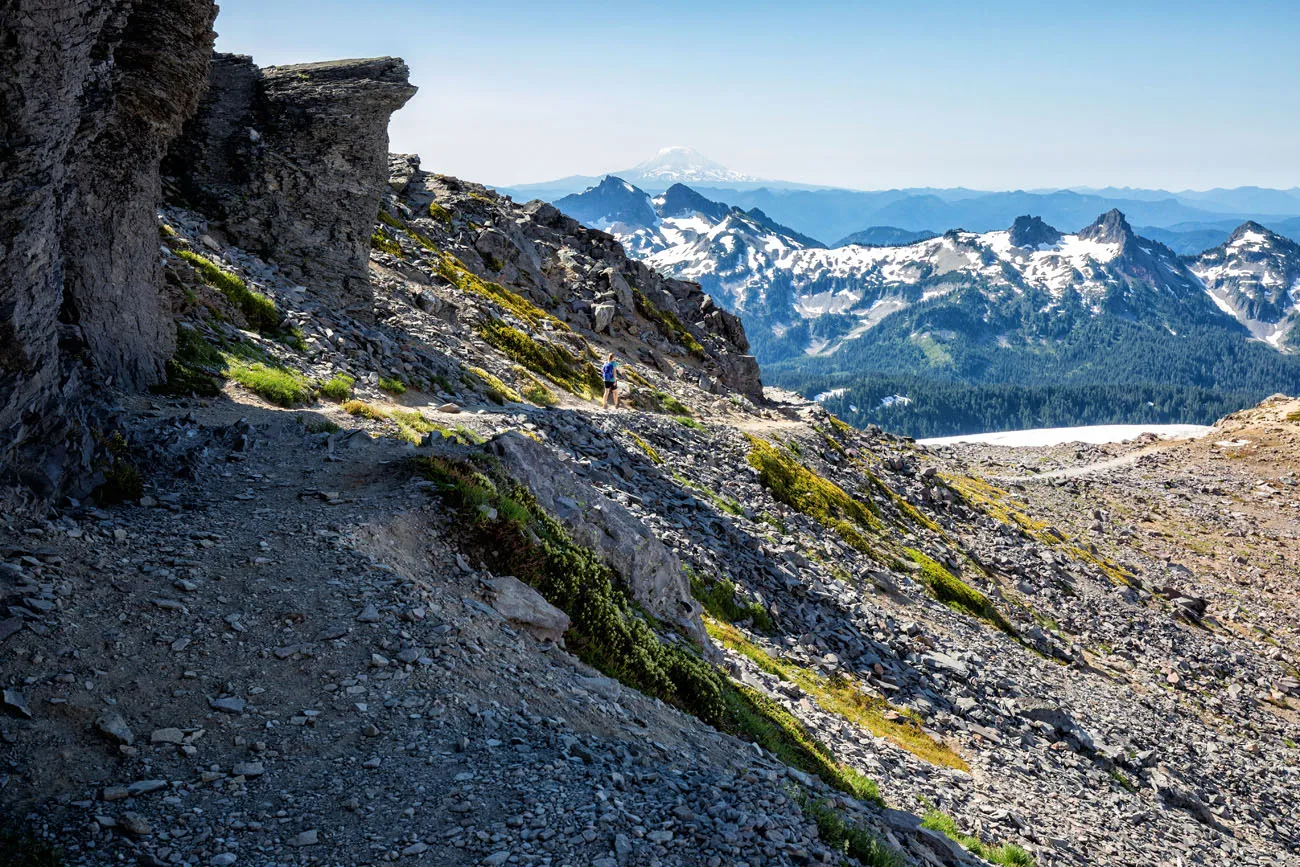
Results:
<point x="799" y="297"/>
<point x="677" y="219"/>
<point x="683" y="165"/>
<point x="1255" y="278"/>
<point x="1106" y="266"/>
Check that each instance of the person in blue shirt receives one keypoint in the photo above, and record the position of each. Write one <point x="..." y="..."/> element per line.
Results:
<point x="608" y="372"/>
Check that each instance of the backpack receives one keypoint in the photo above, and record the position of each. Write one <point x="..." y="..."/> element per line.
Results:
<point x="607" y="371"/>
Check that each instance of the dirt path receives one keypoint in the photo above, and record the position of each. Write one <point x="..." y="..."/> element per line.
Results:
<point x="1127" y="460"/>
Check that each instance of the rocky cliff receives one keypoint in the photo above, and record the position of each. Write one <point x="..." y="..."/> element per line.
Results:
<point x="289" y="163"/>
<point x="93" y="91"/>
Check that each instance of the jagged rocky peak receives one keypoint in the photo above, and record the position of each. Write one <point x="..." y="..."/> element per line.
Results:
<point x="680" y="200"/>
<point x="1110" y="228"/>
<point x="1031" y="232"/>
<point x="289" y="162"/>
<point x="612" y="202"/>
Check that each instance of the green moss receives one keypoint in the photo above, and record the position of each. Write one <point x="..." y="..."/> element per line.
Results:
<point x="649" y="450"/>
<point x="792" y="483"/>
<point x="667" y="404"/>
<point x="197" y="367"/>
<point x="724" y="504"/>
<point x="952" y="591"/>
<point x="1007" y="854"/>
<point x="392" y="385"/>
<point x="338" y="387"/>
<point x="794" y="447"/>
<point x="720" y="599"/>
<point x="439" y="213"/>
<point x="848" y="839"/>
<point x="454" y="272"/>
<point x="391" y="222"/>
<point x="842" y="696"/>
<point x="506" y="529"/>
<point x="257" y="308"/>
<point x="667" y="323"/>
<point x="496" y="390"/>
<point x="687" y="421"/>
<point x="383" y="243"/>
<point x="544" y="359"/>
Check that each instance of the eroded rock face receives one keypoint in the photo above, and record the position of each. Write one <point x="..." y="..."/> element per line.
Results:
<point x="93" y="91"/>
<point x="291" y="161"/>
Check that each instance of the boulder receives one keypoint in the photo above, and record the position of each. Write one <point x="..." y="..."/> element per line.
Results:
<point x="601" y="316"/>
<point x="521" y="604"/>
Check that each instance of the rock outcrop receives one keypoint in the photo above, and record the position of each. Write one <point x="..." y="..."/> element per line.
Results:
<point x="290" y="161"/>
<point x="93" y="91"/>
<point x="652" y="572"/>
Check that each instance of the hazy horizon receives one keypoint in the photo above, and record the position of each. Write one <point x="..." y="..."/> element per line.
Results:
<point x="1006" y="96"/>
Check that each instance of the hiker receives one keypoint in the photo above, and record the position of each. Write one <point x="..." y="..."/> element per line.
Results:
<point x="608" y="372"/>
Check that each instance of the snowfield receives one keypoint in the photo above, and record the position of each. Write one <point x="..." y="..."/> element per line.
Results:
<point x="1053" y="436"/>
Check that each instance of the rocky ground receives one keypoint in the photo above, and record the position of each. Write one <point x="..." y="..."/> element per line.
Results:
<point x="282" y="650"/>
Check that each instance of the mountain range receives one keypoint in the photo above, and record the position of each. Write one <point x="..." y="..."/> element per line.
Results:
<point x="1187" y="221"/>
<point x="1027" y="305"/>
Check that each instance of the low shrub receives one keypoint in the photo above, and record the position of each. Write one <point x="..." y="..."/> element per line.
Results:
<point x="454" y="272"/>
<point x="720" y="599"/>
<point x="20" y="849"/>
<point x="667" y="323"/>
<point x="361" y="409"/>
<point x="798" y="487"/>
<point x="338" y="387"/>
<point x="496" y="390"/>
<point x="392" y="385"/>
<point x="534" y="391"/>
<point x="274" y="384"/>
<point x="123" y="481"/>
<point x="197" y="367"/>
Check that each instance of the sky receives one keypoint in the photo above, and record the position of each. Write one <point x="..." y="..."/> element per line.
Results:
<point x="989" y="95"/>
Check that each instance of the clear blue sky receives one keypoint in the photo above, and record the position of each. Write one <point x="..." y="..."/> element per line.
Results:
<point x="994" y="94"/>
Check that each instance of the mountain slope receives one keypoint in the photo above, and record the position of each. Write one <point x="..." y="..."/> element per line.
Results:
<point x="777" y="631"/>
